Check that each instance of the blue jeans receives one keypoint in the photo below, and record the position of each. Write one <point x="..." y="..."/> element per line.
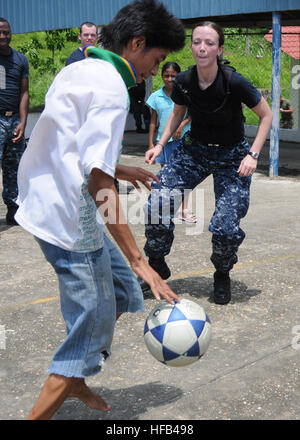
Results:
<point x="167" y="152"/>
<point x="94" y="287"/>
<point x="10" y="156"/>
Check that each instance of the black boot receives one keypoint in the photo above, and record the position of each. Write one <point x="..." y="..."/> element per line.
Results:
<point x="10" y="216"/>
<point x="222" y="293"/>
<point x="161" y="267"/>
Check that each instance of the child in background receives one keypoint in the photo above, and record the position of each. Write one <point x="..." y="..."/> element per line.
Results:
<point x="161" y="106"/>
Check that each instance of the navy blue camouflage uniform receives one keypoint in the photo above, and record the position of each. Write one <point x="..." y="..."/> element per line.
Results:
<point x="75" y="56"/>
<point x="13" y="68"/>
<point x="195" y="159"/>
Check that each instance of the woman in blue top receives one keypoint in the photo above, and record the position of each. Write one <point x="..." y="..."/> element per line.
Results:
<point x="162" y="106"/>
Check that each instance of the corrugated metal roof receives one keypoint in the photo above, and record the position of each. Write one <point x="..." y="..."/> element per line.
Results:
<point x="37" y="15"/>
<point x="205" y="8"/>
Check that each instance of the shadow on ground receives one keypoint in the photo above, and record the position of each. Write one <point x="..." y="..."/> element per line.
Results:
<point x="202" y="287"/>
<point x="139" y="399"/>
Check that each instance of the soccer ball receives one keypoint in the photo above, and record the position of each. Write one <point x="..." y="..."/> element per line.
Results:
<point x="177" y="335"/>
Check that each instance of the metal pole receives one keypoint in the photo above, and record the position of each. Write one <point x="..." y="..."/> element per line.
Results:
<point x="276" y="75"/>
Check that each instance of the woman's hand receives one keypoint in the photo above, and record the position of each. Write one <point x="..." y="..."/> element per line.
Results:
<point x="152" y="154"/>
<point x="177" y="134"/>
<point x="247" y="166"/>
<point x="135" y="175"/>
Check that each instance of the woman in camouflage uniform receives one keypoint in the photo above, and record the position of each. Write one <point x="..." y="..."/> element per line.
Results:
<point x="215" y="145"/>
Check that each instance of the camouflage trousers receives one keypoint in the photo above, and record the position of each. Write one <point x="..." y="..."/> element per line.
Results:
<point x="10" y="155"/>
<point x="287" y="123"/>
<point x="190" y="164"/>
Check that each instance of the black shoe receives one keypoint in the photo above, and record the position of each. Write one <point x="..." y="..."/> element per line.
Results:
<point x="222" y="293"/>
<point x="10" y="216"/>
<point x="161" y="267"/>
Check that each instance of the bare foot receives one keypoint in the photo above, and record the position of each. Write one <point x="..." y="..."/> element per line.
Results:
<point x="92" y="400"/>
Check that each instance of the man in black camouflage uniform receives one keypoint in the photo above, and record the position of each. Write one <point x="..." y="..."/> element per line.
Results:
<point x="14" y="102"/>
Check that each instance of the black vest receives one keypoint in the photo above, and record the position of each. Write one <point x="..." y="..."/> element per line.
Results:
<point x="212" y="121"/>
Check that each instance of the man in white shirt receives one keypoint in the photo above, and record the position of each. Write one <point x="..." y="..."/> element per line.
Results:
<point x="67" y="173"/>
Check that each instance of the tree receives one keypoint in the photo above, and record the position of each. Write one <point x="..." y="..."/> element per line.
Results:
<point x="55" y="40"/>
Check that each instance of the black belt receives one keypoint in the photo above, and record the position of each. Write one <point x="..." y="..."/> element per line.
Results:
<point x="189" y="140"/>
<point x="7" y="113"/>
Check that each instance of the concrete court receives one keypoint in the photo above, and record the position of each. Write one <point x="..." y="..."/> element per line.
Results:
<point x="251" y="370"/>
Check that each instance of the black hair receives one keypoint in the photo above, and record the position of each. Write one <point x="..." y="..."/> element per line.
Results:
<point x="170" y="65"/>
<point x="144" y="17"/>
<point x="214" y="26"/>
<point x="3" y="20"/>
<point x="88" y="24"/>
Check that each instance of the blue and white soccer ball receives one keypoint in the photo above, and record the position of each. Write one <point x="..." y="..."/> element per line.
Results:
<point x="177" y="335"/>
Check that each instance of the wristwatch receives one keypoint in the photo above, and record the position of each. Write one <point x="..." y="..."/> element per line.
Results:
<point x="254" y="155"/>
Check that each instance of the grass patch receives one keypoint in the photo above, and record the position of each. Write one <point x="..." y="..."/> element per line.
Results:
<point x="39" y="83"/>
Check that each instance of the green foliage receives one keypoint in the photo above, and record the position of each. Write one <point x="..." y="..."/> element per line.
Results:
<point x="42" y="68"/>
<point x="47" y="53"/>
<point x="30" y="49"/>
<point x="72" y="35"/>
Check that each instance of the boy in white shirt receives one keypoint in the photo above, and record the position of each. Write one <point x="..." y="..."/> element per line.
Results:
<point x="68" y="171"/>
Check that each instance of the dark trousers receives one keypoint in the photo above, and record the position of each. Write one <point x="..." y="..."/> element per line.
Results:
<point x="190" y="164"/>
<point x="10" y="156"/>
